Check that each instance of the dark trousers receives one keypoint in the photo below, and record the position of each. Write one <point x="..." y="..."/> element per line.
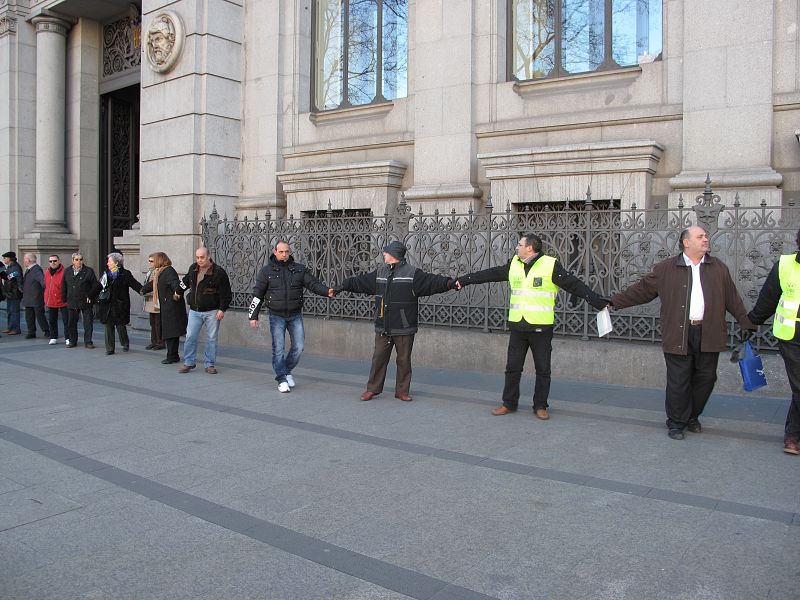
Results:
<point x="122" y="331"/>
<point x="52" y="320"/>
<point x="380" y="360"/>
<point x="172" y="348"/>
<point x="155" y="330"/>
<point x="790" y="351"/>
<point x="87" y="314"/>
<point x="541" y="346"/>
<point x="34" y="314"/>
<point x="12" y="312"/>
<point x="690" y="381"/>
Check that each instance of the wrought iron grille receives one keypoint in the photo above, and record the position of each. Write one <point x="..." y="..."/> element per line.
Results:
<point x="608" y="248"/>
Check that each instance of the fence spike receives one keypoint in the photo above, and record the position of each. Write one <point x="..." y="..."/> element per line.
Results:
<point x="680" y="200"/>
<point x="736" y="202"/>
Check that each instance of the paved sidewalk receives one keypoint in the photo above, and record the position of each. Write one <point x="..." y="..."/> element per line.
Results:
<point x="120" y="478"/>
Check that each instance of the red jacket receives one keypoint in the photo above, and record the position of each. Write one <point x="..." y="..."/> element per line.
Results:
<point x="52" y="288"/>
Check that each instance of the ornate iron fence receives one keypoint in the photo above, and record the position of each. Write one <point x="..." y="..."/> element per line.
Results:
<point x="608" y="248"/>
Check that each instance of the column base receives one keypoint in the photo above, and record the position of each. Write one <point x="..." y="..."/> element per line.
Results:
<point x="447" y="196"/>
<point x="752" y="185"/>
<point x="45" y="244"/>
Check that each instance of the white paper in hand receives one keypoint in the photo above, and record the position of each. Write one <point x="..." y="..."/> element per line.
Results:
<point x="604" y="322"/>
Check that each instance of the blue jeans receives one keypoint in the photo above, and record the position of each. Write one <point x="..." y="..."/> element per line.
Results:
<point x="196" y="322"/>
<point x="12" y="312"/>
<point x="283" y="365"/>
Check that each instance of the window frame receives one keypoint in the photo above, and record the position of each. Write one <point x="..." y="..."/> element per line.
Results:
<point x="608" y="64"/>
<point x="345" y="103"/>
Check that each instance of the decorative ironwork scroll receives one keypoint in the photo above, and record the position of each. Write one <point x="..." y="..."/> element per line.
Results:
<point x="121" y="48"/>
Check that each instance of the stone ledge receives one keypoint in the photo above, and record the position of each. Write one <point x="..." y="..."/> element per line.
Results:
<point x="354" y="113"/>
<point x="581" y="82"/>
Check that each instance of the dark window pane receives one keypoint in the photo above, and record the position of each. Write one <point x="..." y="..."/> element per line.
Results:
<point x="362" y="51"/>
<point x="395" y="49"/>
<point x="533" y="38"/>
<point x="583" y="35"/>
<point x="328" y="91"/>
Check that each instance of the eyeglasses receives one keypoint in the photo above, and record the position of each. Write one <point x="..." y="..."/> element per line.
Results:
<point x="79" y="259"/>
<point x="150" y="260"/>
<point x="56" y="260"/>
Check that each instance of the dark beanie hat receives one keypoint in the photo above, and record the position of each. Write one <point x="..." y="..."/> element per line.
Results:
<point x="11" y="255"/>
<point x="396" y="249"/>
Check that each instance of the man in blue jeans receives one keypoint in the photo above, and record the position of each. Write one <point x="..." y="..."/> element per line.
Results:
<point x="280" y="286"/>
<point x="208" y="294"/>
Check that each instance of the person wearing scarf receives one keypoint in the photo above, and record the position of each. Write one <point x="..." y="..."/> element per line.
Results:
<point x="152" y="308"/>
<point x="115" y="312"/>
<point x="168" y="296"/>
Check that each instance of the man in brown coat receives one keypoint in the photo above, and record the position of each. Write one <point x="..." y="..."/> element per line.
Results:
<point x="696" y="290"/>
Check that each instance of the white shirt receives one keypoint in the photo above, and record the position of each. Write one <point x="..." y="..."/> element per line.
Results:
<point x="697" y="304"/>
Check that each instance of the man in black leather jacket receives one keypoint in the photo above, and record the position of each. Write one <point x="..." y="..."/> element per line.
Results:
<point x="279" y="286"/>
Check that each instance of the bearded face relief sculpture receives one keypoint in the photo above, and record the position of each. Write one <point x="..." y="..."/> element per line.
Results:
<point x="164" y="41"/>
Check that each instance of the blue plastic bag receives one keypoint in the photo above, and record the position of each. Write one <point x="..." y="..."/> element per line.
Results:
<point x="752" y="369"/>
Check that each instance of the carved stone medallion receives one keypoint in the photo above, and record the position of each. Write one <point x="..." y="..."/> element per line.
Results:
<point x="164" y="41"/>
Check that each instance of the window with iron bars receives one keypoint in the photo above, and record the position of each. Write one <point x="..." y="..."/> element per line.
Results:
<point x="557" y="38"/>
<point x="360" y="52"/>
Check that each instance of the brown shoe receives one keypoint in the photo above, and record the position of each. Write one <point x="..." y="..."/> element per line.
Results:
<point x="791" y="446"/>
<point x="541" y="413"/>
<point x="368" y="395"/>
<point x="501" y="410"/>
<point x="212" y="370"/>
<point x="403" y="397"/>
<point x="186" y="368"/>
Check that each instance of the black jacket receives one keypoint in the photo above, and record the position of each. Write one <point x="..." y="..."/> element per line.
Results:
<point x="768" y="300"/>
<point x="12" y="281"/>
<point x="78" y="290"/>
<point x="561" y="277"/>
<point x="280" y="286"/>
<point x="213" y="293"/>
<point x="173" y="312"/>
<point x="117" y="311"/>
<point x="397" y="288"/>
<point x="33" y="287"/>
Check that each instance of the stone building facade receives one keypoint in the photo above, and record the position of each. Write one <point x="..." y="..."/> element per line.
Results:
<point x="123" y="123"/>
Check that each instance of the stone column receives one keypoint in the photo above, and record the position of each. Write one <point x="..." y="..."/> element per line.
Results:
<point x="51" y="61"/>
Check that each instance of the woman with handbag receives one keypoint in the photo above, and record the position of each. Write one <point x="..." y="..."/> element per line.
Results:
<point x="114" y="301"/>
<point x="151" y="307"/>
<point x="168" y="294"/>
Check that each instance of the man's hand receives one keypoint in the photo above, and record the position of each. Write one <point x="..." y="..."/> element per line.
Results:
<point x="220" y="315"/>
<point x="176" y="296"/>
<point x="254" y="323"/>
<point x="331" y="293"/>
<point x="744" y="335"/>
<point x="457" y="285"/>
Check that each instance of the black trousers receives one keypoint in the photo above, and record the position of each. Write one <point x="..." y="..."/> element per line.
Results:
<point x="52" y="320"/>
<point x="541" y="346"/>
<point x="34" y="314"/>
<point x="380" y="360"/>
<point x="122" y="331"/>
<point x="690" y="381"/>
<point x="87" y="314"/>
<point x="172" y="348"/>
<point x="790" y="351"/>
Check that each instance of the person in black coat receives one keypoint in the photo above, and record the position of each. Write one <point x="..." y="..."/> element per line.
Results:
<point x="114" y="301"/>
<point x="172" y="308"/>
<point x="33" y="296"/>
<point x="12" y="290"/>
<point x="79" y="290"/>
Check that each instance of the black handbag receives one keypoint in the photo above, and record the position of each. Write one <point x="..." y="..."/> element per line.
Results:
<point x="104" y="297"/>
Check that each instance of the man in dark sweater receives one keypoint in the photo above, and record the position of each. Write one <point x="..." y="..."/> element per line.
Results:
<point x="397" y="286"/>
<point x="534" y="279"/>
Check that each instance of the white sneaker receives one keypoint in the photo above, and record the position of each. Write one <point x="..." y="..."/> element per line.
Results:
<point x="283" y="387"/>
<point x="290" y="381"/>
<point x="52" y="342"/>
<point x="67" y="343"/>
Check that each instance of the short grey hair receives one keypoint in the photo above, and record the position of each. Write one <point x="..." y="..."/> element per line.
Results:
<point x="30" y="256"/>
<point x="117" y="258"/>
<point x="77" y="255"/>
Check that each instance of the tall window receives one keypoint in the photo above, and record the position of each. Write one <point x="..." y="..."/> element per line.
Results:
<point x="555" y="38"/>
<point x="360" y="52"/>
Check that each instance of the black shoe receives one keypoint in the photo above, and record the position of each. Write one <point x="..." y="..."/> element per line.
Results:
<point x="125" y="348"/>
<point x="149" y="346"/>
<point x="694" y="426"/>
<point x="170" y="361"/>
<point x="109" y="352"/>
<point x="676" y="434"/>
<point x="30" y="336"/>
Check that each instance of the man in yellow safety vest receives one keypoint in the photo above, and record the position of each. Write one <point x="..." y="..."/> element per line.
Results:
<point x="780" y="296"/>
<point x="534" y="280"/>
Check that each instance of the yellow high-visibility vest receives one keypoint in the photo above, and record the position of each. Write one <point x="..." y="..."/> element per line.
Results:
<point x="533" y="296"/>
<point x="783" y="327"/>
